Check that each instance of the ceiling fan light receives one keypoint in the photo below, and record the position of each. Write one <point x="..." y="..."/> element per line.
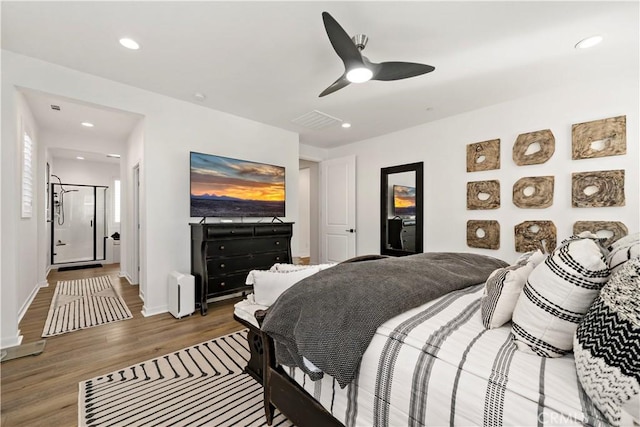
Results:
<point x="359" y="75"/>
<point x="589" y="42"/>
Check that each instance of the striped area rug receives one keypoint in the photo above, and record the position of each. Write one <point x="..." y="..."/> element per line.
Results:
<point x="84" y="303"/>
<point x="203" y="385"/>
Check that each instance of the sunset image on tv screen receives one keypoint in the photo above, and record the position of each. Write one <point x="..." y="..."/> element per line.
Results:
<point x="226" y="187"/>
<point x="404" y="200"/>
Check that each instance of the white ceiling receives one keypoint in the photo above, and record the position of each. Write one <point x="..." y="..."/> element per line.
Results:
<point x="268" y="61"/>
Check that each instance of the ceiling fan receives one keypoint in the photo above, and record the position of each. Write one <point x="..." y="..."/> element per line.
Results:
<point x="357" y="68"/>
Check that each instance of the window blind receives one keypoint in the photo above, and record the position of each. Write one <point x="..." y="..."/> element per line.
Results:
<point x="27" y="176"/>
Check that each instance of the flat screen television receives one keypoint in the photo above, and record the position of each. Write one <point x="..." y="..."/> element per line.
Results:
<point x="226" y="187"/>
<point x="404" y="200"/>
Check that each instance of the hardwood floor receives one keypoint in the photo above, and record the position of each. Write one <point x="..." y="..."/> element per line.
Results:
<point x="43" y="390"/>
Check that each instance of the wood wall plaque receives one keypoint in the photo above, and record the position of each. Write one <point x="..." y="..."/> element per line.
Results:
<point x="483" y="156"/>
<point x="543" y="145"/>
<point x="542" y="192"/>
<point x="616" y="227"/>
<point x="483" y="234"/>
<point x="599" y="138"/>
<point x="532" y="235"/>
<point x="483" y="195"/>
<point x="597" y="189"/>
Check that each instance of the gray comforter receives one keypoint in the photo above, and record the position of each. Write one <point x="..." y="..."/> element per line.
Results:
<point x="330" y="318"/>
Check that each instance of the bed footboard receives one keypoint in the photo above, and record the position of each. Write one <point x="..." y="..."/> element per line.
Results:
<point x="281" y="392"/>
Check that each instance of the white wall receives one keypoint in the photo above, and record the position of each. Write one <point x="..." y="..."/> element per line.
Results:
<point x="442" y="147"/>
<point x="170" y="129"/>
<point x="19" y="280"/>
<point x="132" y="158"/>
<point x="84" y="172"/>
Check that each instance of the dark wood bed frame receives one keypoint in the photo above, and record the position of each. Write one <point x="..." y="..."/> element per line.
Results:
<point x="282" y="392"/>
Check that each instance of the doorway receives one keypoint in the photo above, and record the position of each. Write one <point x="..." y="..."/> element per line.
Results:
<point x="79" y="217"/>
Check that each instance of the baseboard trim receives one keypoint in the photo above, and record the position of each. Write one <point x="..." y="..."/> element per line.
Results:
<point x="126" y="276"/>
<point x="27" y="303"/>
<point x="11" y="342"/>
<point x="147" y="312"/>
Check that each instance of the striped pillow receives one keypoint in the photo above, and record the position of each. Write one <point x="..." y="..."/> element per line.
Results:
<point x="502" y="289"/>
<point x="623" y="250"/>
<point x="557" y="294"/>
<point x="607" y="345"/>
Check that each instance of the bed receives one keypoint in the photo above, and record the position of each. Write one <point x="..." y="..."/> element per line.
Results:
<point x="438" y="364"/>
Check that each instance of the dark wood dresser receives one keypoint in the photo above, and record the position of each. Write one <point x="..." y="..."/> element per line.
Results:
<point x="223" y="254"/>
<point x="402" y="234"/>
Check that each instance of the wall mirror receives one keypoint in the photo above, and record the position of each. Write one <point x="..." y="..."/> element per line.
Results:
<point x="401" y="209"/>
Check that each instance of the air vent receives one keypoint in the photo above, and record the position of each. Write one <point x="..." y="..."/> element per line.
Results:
<point x="316" y="120"/>
<point x="55" y="107"/>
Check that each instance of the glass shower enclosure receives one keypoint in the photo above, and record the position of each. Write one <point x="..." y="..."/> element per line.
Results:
<point x="79" y="223"/>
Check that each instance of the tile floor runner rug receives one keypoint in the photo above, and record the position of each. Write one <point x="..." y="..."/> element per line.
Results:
<point x="203" y="385"/>
<point x="84" y="303"/>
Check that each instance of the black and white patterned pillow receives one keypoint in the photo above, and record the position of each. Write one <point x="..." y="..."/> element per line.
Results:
<point x="623" y="250"/>
<point x="557" y="294"/>
<point x="607" y="344"/>
<point x="502" y="289"/>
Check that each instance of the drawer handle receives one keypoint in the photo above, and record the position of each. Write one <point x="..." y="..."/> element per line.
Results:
<point x="221" y="265"/>
<point x="233" y="231"/>
<point x="222" y="247"/>
<point x="278" y="243"/>
<point x="277" y="258"/>
<point x="222" y="283"/>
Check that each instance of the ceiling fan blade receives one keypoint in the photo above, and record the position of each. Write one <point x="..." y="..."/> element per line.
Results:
<point x="387" y="71"/>
<point x="337" y="85"/>
<point x="341" y="42"/>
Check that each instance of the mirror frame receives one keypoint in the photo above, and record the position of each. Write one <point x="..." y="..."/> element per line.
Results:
<point x="418" y="168"/>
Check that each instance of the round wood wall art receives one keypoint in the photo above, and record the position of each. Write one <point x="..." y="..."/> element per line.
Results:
<point x="483" y="156"/>
<point x="613" y="229"/>
<point x="599" y="138"/>
<point x="483" y="234"/>
<point x="483" y="195"/>
<point x="533" y="192"/>
<point x="534" y="148"/>
<point x="532" y="235"/>
<point x="597" y="189"/>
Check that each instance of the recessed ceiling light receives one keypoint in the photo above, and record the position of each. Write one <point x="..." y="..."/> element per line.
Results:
<point x="87" y="124"/>
<point x="589" y="42"/>
<point x="199" y="96"/>
<point x="79" y="157"/>
<point x="129" y="43"/>
<point x="346" y="125"/>
<point x="115" y="156"/>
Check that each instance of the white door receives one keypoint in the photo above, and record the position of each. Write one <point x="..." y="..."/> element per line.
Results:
<point x="338" y="209"/>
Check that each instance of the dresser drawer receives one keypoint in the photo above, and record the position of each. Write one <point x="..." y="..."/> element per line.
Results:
<point x="245" y="246"/>
<point x="228" y="231"/>
<point x="223" y="284"/>
<point x="224" y="266"/>
<point x="274" y="229"/>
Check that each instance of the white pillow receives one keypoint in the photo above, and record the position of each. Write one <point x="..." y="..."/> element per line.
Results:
<point x="502" y="289"/>
<point x="623" y="250"/>
<point x="298" y="267"/>
<point x="268" y="285"/>
<point x="534" y="256"/>
<point x="557" y="294"/>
